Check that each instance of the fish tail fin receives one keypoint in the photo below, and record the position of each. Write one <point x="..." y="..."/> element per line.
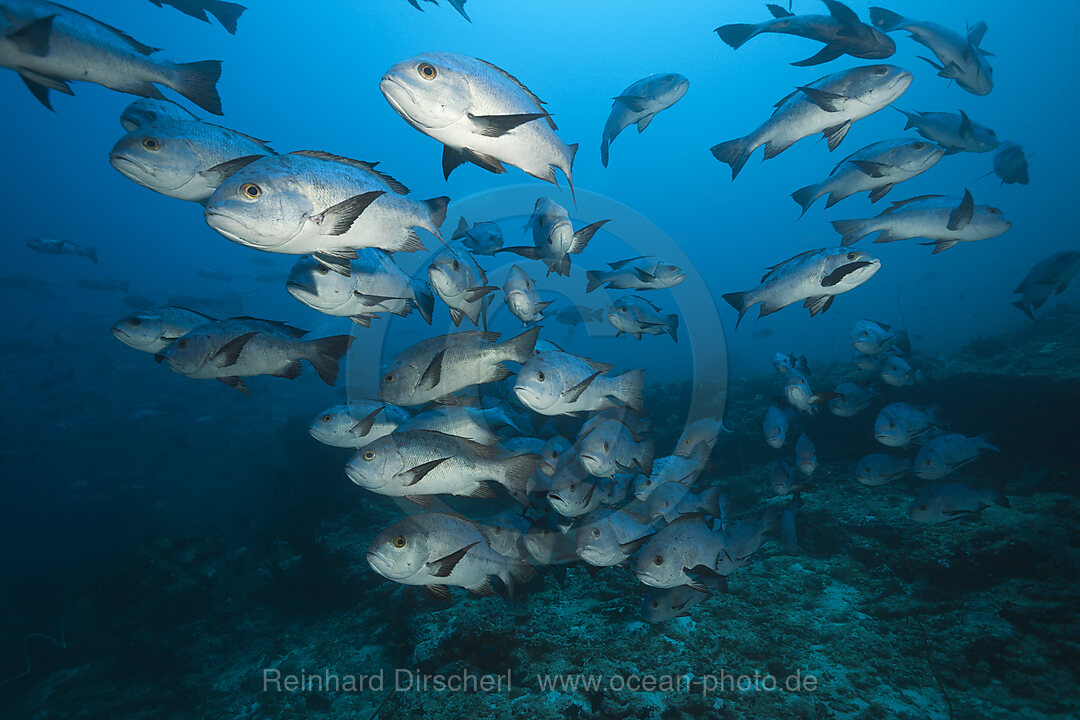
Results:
<point x="737" y="34"/>
<point x="423" y="298"/>
<point x="584" y="235"/>
<point x="886" y="20"/>
<point x="712" y="499"/>
<point x="733" y="152"/>
<point x="851" y="230"/>
<point x="436" y="208"/>
<point x="517" y="471"/>
<point x="197" y="82"/>
<point x="227" y="13"/>
<point x="520" y="347"/>
<point x="983" y="443"/>
<point x="1021" y="305"/>
<point x="629" y="387"/>
<point x="595" y="280"/>
<point x="91" y="254"/>
<point x="516" y="572"/>
<point x="805" y="197"/>
<point x="671" y="325"/>
<point x="737" y="300"/>
<point x="325" y="355"/>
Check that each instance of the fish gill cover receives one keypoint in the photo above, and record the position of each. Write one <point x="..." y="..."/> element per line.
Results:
<point x="436" y="390"/>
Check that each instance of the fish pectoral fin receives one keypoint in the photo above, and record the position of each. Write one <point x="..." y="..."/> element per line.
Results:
<point x="236" y="383"/>
<point x="363" y="426"/>
<point x="451" y="158"/>
<point x="951" y="71"/>
<point x="826" y="54"/>
<point x="474" y="294"/>
<point x="33" y="38"/>
<point x="499" y="125"/>
<point x="337" y="220"/>
<point x="421" y="500"/>
<point x="818" y="304"/>
<point x="644" y="122"/>
<point x="827" y="101"/>
<point x="933" y="64"/>
<point x="868" y="167"/>
<point x="290" y="371"/>
<point x="482" y="490"/>
<point x="229" y="168"/>
<point x="485" y="161"/>
<point x="967" y="129"/>
<point x="836" y="134"/>
<point x="363" y="320"/>
<point x="631" y="547"/>
<point x="524" y="251"/>
<point x="962" y="215"/>
<point x="230" y="351"/>
<point x="433" y="374"/>
<point x="572" y="394"/>
<point x="444" y="566"/>
<point x="372" y="300"/>
<point x="634" y="102"/>
<point x="645" y="275"/>
<point x="439" y="591"/>
<point x="414" y="475"/>
<point x="880" y="192"/>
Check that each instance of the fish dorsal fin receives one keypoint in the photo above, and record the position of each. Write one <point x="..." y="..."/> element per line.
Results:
<point x="647" y="302"/>
<point x="787" y="97"/>
<point x="779" y="12"/>
<point x="774" y="268"/>
<point x="843" y="14"/>
<point x="135" y="44"/>
<point x="619" y="263"/>
<point x="897" y="204"/>
<point x="195" y="312"/>
<point x="601" y="366"/>
<point x="281" y="325"/>
<point x="462" y="229"/>
<point x="976" y="33"/>
<point x="368" y="167"/>
<point x="532" y="96"/>
<point x="967" y="129"/>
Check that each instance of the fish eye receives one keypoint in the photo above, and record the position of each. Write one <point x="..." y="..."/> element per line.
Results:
<point x="251" y="191"/>
<point x="994" y="211"/>
<point x="181" y="343"/>
<point x="427" y="71"/>
<point x="924" y="507"/>
<point x="919" y="145"/>
<point x="851" y="256"/>
<point x="400" y="541"/>
<point x="496" y="530"/>
<point x="151" y="144"/>
<point x="540" y="377"/>
<point x="327" y="418"/>
<point x="607" y="445"/>
<point x="596" y="532"/>
<point x="135" y="322"/>
<point x="655" y="604"/>
<point x="881" y="70"/>
<point x="389" y="378"/>
<point x="322" y="270"/>
<point x="369" y="455"/>
<point x="658" y="560"/>
<point x="555" y="454"/>
<point x="457" y="265"/>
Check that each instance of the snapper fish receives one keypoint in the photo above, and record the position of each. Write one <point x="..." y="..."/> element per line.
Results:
<point x="554" y="239"/>
<point x="522" y="298"/>
<point x="315" y="203"/>
<point x="640" y="273"/>
<point x="227" y="13"/>
<point x="681" y="552"/>
<point x="461" y="283"/>
<point x="50" y="45"/>
<point x="639" y="103"/>
<point x="945" y="454"/>
<point x="815" y="276"/>
<point x="955" y="132"/>
<point x="636" y="316"/>
<point x="942" y="502"/>
<point x="1011" y="164"/>
<point x="558" y="383"/>
<point x="829" y="106"/>
<point x="841" y="31"/>
<point x="608" y="537"/>
<point x="154" y="111"/>
<point x="356" y="423"/>
<point x="483" y="238"/>
<point x="944" y="221"/>
<point x="480" y="113"/>
<point x="154" y="329"/>
<point x="1050" y="275"/>
<point x="54" y="246"/>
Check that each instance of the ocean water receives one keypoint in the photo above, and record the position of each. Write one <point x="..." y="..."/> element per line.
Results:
<point x="176" y="548"/>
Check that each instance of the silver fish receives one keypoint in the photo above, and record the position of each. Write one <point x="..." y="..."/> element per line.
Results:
<point x="609" y="537"/>
<point x="573" y="493"/>
<point x="703" y="431"/>
<point x="521" y="297"/>
<point x="955" y="132"/>
<point x="554" y="239"/>
<point x="607" y="445"/>
<point x="872" y="337"/>
<point x="471" y="423"/>
<point x="775" y="426"/>
<point x="829" y="106"/>
<point x="742" y="540"/>
<point x="636" y="316"/>
<point x="437" y="550"/>
<point x="479" y="112"/>
<point x="483" y="238"/>
<point x="458" y="5"/>
<point x="672" y="499"/>
<point x="551" y="541"/>
<point x="154" y="111"/>
<point x="639" y="273"/>
<point x="227" y="13"/>
<point x="153" y="330"/>
<point x="900" y="424"/>
<point x="815" y="276"/>
<point x="558" y="383"/>
<point x="875" y="168"/>
<point x="805" y="456"/>
<point x="356" y="423"/>
<point x="1050" y="275"/>
<point x="438" y="366"/>
<point x="676" y="554"/>
<point x="1011" y="165"/>
<point x="639" y="103"/>
<point x="673" y="469"/>
<point x="943" y="502"/>
<point x="49" y="45"/>
<point x="850" y="399"/>
<point x="459" y="280"/>
<point x="506" y="534"/>
<point x="898" y="372"/>
<point x="574" y="315"/>
<point x="945" y="454"/>
<point x="879" y="469"/>
<point x="53" y="246"/>
<point x="663" y="604"/>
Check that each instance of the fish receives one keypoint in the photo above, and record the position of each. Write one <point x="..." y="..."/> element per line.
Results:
<point x="554" y="239"/>
<point x="53" y="246"/>
<point x="480" y="113"/>
<point x="898" y="372"/>
<point x="613" y="442"/>
<point x="415" y="464"/>
<point x="875" y="168"/>
<point x="942" y="502"/>
<point x="458" y="5"/>
<point x="1010" y="164"/>
<point x="784" y="362"/>
<point x="663" y="604"/>
<point x="640" y="273"/>
<point x="782" y="478"/>
<point x="801" y="396"/>
<point x="743" y="539"/>
<point x="521" y="297"/>
<point x="901" y="424"/>
<point x="814" y="276"/>
<point x="551" y="540"/>
<point x="608" y="537"/>
<point x="227" y="13"/>
<point x="775" y="426"/>
<point x="703" y="431"/>
<point x="841" y="31"/>
<point x="955" y="132"/>
<point x="153" y="330"/>
<point x="850" y="399"/>
<point x="639" y="103"/>
<point x="679" y="553"/>
<point x="670" y="500"/>
<point x="961" y="59"/>
<point x="356" y="423"/>
<point x="672" y="469"/>
<point x="374" y="284"/>
<point x="315" y="203"/>
<point x="945" y="454"/>
<point x="154" y="111"/>
<point x="574" y="315"/>
<point x="443" y="550"/>
<point x="506" y="534"/>
<point x="787" y="524"/>
<point x="235" y="348"/>
<point x="829" y="105"/>
<point x="555" y="455"/>
<point x="100" y="283"/>
<point x="879" y="469"/>
<point x="483" y="238"/>
<point x="572" y="493"/>
<point x="872" y="337"/>
<point x="461" y="283"/>
<point x="805" y="456"/>
<point x="50" y="45"/>
<point x="558" y="383"/>
<point x="437" y="367"/>
<point x="636" y="316"/>
<point x="138" y="302"/>
<point x="471" y="423"/>
<point x="943" y="220"/>
<point x="184" y="160"/>
<point x="1050" y="275"/>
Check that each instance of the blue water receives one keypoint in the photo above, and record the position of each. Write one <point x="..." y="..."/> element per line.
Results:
<point x="105" y="451"/>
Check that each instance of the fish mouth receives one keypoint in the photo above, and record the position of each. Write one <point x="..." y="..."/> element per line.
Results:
<point x="378" y="562"/>
<point x="124" y="161"/>
<point x="393" y="89"/>
<point x="527" y="396"/>
<point x="359" y="478"/>
<point x="647" y="579"/>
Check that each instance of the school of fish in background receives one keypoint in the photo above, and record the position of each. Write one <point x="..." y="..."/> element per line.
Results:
<point x="473" y="414"/>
